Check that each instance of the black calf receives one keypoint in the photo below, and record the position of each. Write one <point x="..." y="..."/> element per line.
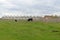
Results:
<point x="15" y="20"/>
<point x="30" y="19"/>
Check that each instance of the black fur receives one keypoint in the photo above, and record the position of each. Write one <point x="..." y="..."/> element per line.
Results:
<point x="15" y="20"/>
<point x="30" y="19"/>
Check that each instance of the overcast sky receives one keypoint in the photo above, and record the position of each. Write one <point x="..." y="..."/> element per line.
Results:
<point x="29" y="7"/>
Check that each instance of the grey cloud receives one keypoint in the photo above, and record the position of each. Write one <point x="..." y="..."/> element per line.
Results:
<point x="37" y="7"/>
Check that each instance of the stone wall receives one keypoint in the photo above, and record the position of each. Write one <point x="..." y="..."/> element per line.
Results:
<point x="34" y="18"/>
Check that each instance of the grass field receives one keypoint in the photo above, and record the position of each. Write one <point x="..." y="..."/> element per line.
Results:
<point x="23" y="30"/>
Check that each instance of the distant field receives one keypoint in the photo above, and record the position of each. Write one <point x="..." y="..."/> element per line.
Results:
<point x="24" y="30"/>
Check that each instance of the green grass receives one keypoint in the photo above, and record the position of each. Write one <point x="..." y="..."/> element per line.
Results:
<point x="23" y="30"/>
